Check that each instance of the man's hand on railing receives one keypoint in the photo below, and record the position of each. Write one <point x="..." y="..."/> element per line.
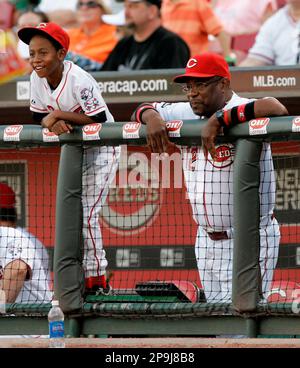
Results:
<point x="209" y="132"/>
<point x="157" y="134"/>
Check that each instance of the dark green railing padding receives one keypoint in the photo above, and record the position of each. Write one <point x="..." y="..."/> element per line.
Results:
<point x="107" y="305"/>
<point x="68" y="251"/>
<point x="246" y="271"/>
<point x="279" y="129"/>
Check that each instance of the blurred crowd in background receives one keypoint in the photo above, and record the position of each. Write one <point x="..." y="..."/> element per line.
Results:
<point x="157" y="34"/>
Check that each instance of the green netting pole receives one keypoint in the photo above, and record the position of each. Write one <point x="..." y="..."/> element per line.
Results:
<point x="251" y="327"/>
<point x="246" y="281"/>
<point x="67" y="265"/>
<point x="73" y="327"/>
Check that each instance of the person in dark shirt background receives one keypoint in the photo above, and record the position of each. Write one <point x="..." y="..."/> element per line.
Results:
<point x="150" y="46"/>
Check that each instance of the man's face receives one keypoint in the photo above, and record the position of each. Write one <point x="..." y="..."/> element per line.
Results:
<point x="89" y="12"/>
<point x="136" y="14"/>
<point x="205" y="95"/>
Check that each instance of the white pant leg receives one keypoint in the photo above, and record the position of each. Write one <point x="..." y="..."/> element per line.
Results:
<point x="98" y="171"/>
<point x="269" y="249"/>
<point x="214" y="261"/>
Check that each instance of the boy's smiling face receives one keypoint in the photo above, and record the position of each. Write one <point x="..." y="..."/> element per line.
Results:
<point x="44" y="58"/>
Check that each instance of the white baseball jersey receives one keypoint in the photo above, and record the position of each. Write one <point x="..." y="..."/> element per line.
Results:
<point x="210" y="183"/>
<point x="19" y="244"/>
<point x="277" y="42"/>
<point x="79" y="92"/>
<point x="210" y="189"/>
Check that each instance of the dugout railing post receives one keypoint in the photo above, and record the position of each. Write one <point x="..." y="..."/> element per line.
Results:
<point x="246" y="278"/>
<point x="68" y="251"/>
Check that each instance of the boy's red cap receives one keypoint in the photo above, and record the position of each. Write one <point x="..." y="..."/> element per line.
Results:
<point x="205" y="65"/>
<point x="7" y="196"/>
<point x="51" y="29"/>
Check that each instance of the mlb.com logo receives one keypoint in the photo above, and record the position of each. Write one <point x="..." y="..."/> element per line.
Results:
<point x="12" y="133"/>
<point x="91" y="132"/>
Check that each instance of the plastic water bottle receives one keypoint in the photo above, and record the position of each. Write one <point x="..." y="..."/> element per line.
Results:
<point x="56" y="326"/>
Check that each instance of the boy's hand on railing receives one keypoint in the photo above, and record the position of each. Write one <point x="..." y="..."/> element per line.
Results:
<point x="49" y="120"/>
<point x="61" y="127"/>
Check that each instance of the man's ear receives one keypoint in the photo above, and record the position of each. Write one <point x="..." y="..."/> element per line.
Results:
<point x="225" y="85"/>
<point x="62" y="54"/>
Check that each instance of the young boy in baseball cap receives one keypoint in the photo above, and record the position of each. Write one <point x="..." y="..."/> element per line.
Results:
<point x="63" y="94"/>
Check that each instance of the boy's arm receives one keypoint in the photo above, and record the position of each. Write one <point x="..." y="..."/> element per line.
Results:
<point x="59" y="122"/>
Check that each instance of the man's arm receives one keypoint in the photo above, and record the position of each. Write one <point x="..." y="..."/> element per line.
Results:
<point x="259" y="108"/>
<point x="251" y="61"/>
<point x="13" y="279"/>
<point x="157" y="135"/>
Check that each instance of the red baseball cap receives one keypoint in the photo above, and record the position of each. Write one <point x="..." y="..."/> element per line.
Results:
<point x="50" y="29"/>
<point x="7" y="196"/>
<point x="205" y="65"/>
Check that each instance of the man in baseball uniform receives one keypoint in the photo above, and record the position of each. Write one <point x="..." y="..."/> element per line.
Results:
<point x="63" y="94"/>
<point x="24" y="272"/>
<point x="208" y="170"/>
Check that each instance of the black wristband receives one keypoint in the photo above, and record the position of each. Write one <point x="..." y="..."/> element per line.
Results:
<point x="234" y="116"/>
<point x="242" y="113"/>
<point x="140" y="110"/>
<point x="220" y="118"/>
<point x="249" y="111"/>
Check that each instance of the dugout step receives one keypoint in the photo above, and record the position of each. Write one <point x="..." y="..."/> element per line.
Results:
<point x="154" y="292"/>
<point x="184" y="291"/>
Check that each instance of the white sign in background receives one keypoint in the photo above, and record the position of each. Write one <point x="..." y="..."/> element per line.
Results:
<point x="23" y="90"/>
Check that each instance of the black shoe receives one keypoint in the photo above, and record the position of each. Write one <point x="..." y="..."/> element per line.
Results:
<point x="107" y="290"/>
